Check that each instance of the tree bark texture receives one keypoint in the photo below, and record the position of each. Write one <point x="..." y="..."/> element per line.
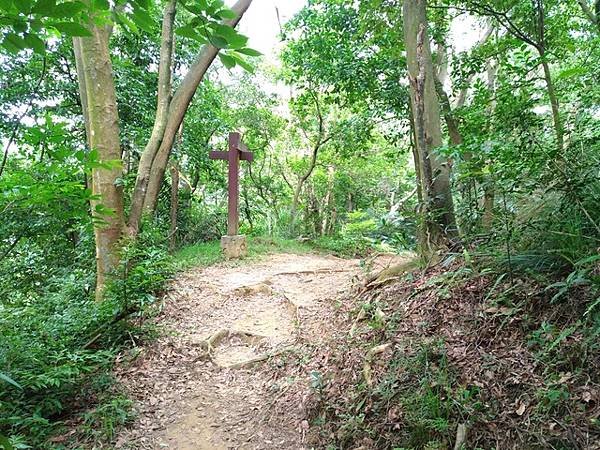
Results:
<point x="98" y="98"/>
<point x="438" y="210"/>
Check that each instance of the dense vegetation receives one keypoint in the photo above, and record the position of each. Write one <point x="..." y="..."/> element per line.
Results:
<point x="485" y="160"/>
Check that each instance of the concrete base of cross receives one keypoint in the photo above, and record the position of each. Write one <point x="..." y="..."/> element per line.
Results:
<point x="234" y="246"/>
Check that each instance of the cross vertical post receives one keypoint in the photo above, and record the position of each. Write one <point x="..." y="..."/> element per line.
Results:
<point x="233" y="244"/>
<point x="233" y="220"/>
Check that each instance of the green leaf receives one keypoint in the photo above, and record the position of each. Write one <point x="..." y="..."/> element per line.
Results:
<point x="127" y="23"/>
<point x="142" y="19"/>
<point x="189" y="32"/>
<point x="5" y="443"/>
<point x="19" y="26"/>
<point x="244" y="64"/>
<point x="71" y="28"/>
<point x="44" y="7"/>
<point x="194" y="9"/>
<point x="103" y="5"/>
<point x="229" y="34"/>
<point x="35" y="43"/>
<point x="67" y="10"/>
<point x="6" y="5"/>
<point x="572" y="72"/>
<point x="227" y="14"/>
<point x="24" y="6"/>
<point x="228" y="61"/>
<point x="249" y="51"/>
<point x="218" y="41"/>
<point x="16" y="41"/>
<point x="9" y="380"/>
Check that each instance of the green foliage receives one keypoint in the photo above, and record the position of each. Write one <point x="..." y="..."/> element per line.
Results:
<point x="109" y="416"/>
<point x="64" y="339"/>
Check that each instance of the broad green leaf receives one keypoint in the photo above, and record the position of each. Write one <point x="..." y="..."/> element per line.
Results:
<point x="243" y="63"/>
<point x="572" y="72"/>
<point x="35" y="43"/>
<point x="249" y="51"/>
<point x="227" y="14"/>
<point x="228" y="61"/>
<point x="194" y="9"/>
<point x="19" y="25"/>
<point x="44" y="7"/>
<point x="142" y="19"/>
<point x="67" y="10"/>
<point x="5" y="443"/>
<point x="16" y="41"/>
<point x="128" y="23"/>
<point x="188" y="32"/>
<point x="233" y="38"/>
<point x="6" y="5"/>
<point x="24" y="6"/>
<point x="103" y="5"/>
<point x="71" y="28"/>
<point x="218" y="42"/>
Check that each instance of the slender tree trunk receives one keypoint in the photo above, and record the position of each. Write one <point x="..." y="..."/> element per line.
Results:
<point x="453" y="130"/>
<point x="98" y="98"/>
<point x="160" y="121"/>
<point x="439" y="221"/>
<point x="558" y="126"/>
<point x="489" y="188"/>
<point x="302" y="180"/>
<point x="587" y="10"/>
<point x="541" y="48"/>
<point x="174" y="206"/>
<point x="329" y="200"/>
<point x="176" y="112"/>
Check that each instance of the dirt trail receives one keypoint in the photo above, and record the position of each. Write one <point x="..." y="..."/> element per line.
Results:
<point x="210" y="381"/>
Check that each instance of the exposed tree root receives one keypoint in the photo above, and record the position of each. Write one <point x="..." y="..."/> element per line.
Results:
<point x="264" y="357"/>
<point x="461" y="437"/>
<point x="302" y="272"/>
<point x="367" y="369"/>
<point x="209" y="344"/>
<point x="392" y="273"/>
<point x="253" y="289"/>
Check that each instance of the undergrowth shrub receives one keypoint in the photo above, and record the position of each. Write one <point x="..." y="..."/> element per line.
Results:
<point x="57" y="338"/>
<point x="364" y="231"/>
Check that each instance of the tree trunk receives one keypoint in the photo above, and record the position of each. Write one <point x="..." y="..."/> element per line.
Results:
<point x="587" y="10"/>
<point x="98" y="98"/>
<point x="439" y="223"/>
<point x="301" y="181"/>
<point x="174" y="206"/>
<point x="329" y="201"/>
<point x="489" y="191"/>
<point x="489" y="194"/>
<point x="176" y="112"/>
<point x="160" y="121"/>
<point x="558" y="126"/>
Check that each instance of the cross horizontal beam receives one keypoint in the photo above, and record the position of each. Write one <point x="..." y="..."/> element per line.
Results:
<point x="245" y="155"/>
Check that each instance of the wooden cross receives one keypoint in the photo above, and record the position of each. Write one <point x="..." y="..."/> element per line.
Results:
<point x="237" y="150"/>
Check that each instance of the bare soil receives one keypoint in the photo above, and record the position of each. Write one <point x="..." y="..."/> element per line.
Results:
<point x="216" y="378"/>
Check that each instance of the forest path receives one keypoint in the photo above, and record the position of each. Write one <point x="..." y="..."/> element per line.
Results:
<point x="208" y="382"/>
